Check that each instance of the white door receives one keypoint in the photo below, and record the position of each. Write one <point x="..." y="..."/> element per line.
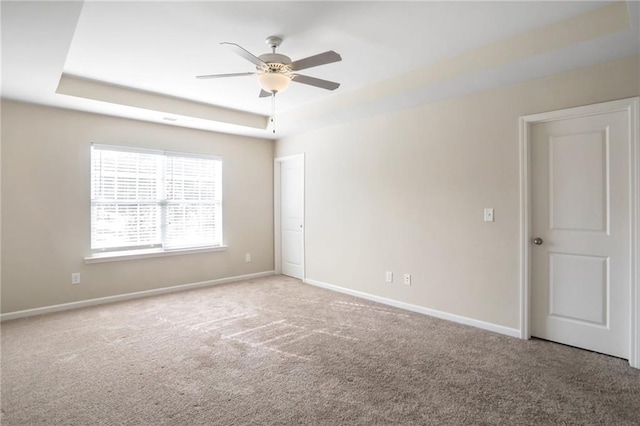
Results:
<point x="292" y="217"/>
<point x="580" y="214"/>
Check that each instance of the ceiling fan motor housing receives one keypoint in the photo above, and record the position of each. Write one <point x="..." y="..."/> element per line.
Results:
<point x="275" y="76"/>
<point x="276" y="63"/>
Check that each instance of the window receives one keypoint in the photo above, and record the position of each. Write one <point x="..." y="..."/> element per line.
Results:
<point x="154" y="200"/>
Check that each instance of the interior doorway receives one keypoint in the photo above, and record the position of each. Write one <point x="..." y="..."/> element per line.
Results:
<point x="289" y="215"/>
<point x="580" y="221"/>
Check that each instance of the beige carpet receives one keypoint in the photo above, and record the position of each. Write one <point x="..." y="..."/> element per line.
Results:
<point x="273" y="351"/>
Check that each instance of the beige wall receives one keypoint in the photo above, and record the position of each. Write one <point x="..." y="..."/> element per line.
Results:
<point x="405" y="192"/>
<point x="46" y="207"/>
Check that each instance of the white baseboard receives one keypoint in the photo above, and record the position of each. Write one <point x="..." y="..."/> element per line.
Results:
<point x="128" y="296"/>
<point x="513" y="332"/>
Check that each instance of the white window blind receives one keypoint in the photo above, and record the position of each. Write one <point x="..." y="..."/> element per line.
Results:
<point x="143" y="199"/>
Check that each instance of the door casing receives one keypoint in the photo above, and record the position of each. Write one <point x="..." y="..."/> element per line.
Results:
<point x="277" y="228"/>
<point x="631" y="107"/>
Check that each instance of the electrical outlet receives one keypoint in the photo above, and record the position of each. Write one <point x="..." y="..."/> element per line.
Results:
<point x="75" y="278"/>
<point x="389" y="276"/>
<point x="407" y="279"/>
<point x="247" y="257"/>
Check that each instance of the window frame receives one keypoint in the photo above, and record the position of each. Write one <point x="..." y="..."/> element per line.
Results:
<point x="108" y="254"/>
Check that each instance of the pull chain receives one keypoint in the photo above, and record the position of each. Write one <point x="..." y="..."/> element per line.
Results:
<point x="273" y="112"/>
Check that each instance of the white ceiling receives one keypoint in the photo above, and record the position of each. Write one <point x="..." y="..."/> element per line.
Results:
<point x="159" y="47"/>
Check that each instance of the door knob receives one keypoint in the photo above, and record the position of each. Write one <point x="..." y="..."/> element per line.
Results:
<point x="538" y="241"/>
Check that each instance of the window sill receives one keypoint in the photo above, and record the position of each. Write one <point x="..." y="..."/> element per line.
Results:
<point x="117" y="256"/>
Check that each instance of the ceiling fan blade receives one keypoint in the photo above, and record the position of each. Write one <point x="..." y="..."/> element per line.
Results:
<point x="314" y="61"/>
<point x="246" y="54"/>
<point x="264" y="93"/>
<point x="237" y="74"/>
<point x="312" y="81"/>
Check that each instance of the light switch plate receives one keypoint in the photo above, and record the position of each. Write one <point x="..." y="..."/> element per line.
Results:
<point x="488" y="215"/>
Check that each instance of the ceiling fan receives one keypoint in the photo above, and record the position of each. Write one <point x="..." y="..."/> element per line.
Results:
<point x="275" y="71"/>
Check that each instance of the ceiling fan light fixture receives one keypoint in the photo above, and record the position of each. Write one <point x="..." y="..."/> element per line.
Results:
<point x="273" y="82"/>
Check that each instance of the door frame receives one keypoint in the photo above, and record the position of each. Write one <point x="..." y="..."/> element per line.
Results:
<point x="631" y="107"/>
<point x="277" y="228"/>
